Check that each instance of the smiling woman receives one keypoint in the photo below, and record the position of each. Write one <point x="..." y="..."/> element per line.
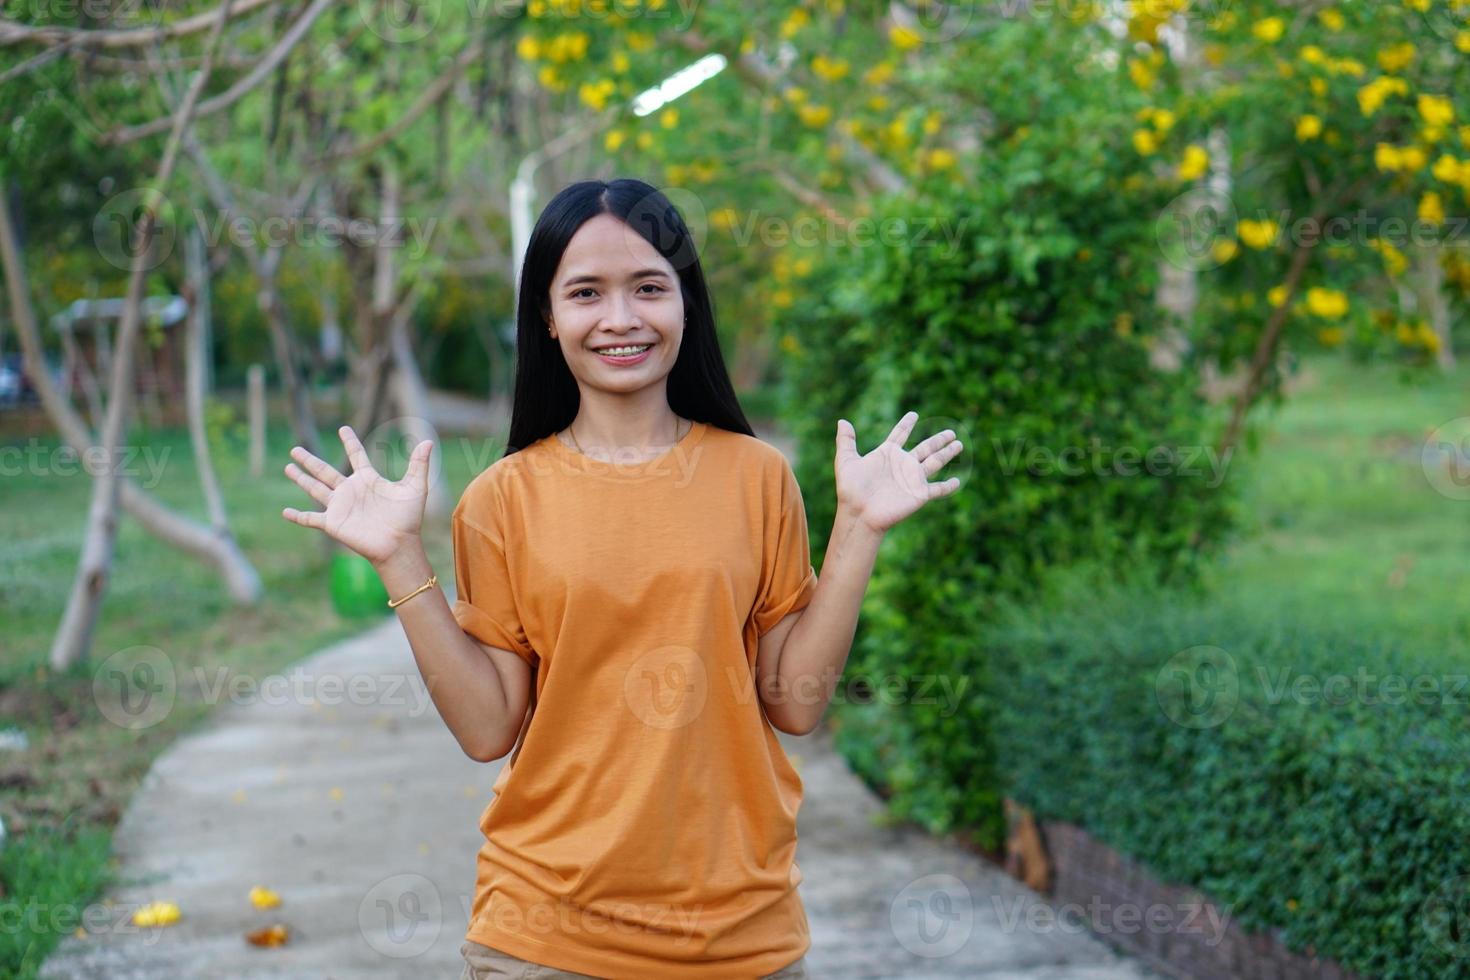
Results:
<point x="636" y="616"/>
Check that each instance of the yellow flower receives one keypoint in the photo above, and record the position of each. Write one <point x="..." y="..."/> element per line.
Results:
<point x="1372" y="96"/>
<point x="941" y="159"/>
<point x="1141" y="74"/>
<point x="1437" y="110"/>
<point x="1431" y="208"/>
<point x="1196" y="162"/>
<point x="794" y="22"/>
<point x="1420" y="5"/>
<point x="878" y="103"/>
<point x="641" y="41"/>
<point x="548" y="77"/>
<point x="903" y="38"/>
<point x="1258" y="234"/>
<point x="1276" y="296"/>
<point x="815" y="116"/>
<point x="1269" y="29"/>
<point x="1330" y="337"/>
<point x="528" y="48"/>
<point x="1224" y="250"/>
<point x="1346" y="66"/>
<point x="879" y="73"/>
<point x="1394" y="261"/>
<point x="1448" y="170"/>
<point x="1329" y="304"/>
<point x="1413" y="159"/>
<point x="724" y="218"/>
<point x="932" y="123"/>
<point x="790" y="344"/>
<point x="782" y="298"/>
<point x="1319" y="86"/>
<point x="830" y="69"/>
<point x="669" y="118"/>
<point x="802" y="267"/>
<point x="1331" y="18"/>
<point x="264" y="898"/>
<point x="1386" y="157"/>
<point x="1397" y="58"/>
<point x="1308" y="127"/>
<point x="1313" y="55"/>
<point x="613" y="140"/>
<point x="596" y="94"/>
<point x="620" y="62"/>
<point x="1462" y="41"/>
<point x="1145" y="142"/>
<point x="1163" y="120"/>
<point x="643" y="140"/>
<point x="795" y="94"/>
<point x="156" y="914"/>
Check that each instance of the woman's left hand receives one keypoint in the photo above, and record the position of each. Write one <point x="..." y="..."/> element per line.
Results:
<point x="891" y="482"/>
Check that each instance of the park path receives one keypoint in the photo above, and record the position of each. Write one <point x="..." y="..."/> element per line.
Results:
<point x="338" y="786"/>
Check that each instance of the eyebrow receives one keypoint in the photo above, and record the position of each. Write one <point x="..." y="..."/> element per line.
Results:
<point x="640" y="274"/>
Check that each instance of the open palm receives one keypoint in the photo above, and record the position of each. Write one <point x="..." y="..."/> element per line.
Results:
<point x="366" y="512"/>
<point x="891" y="482"/>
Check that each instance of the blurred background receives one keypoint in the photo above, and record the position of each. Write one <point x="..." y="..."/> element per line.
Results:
<point x="1189" y="278"/>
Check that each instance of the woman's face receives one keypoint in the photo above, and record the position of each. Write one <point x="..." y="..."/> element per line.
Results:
<point x="613" y="289"/>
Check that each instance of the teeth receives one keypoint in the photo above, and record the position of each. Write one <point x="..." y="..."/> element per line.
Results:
<point x="624" y="351"/>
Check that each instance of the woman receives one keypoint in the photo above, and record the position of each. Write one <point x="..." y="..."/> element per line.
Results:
<point x="636" y="612"/>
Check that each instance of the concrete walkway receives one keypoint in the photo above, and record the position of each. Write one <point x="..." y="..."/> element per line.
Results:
<point x="338" y="786"/>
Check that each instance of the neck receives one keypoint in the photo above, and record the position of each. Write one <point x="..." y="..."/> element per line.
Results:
<point x="618" y="422"/>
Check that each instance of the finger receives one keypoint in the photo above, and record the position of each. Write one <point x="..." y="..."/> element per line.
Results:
<point x="319" y="491"/>
<point x="944" y="488"/>
<point x="932" y="444"/>
<point x="306" y="518"/>
<point x="900" y="433"/>
<point x="846" y="438"/>
<point x="355" y="453"/>
<point x="317" y="467"/>
<point x="418" y="465"/>
<point x="935" y="461"/>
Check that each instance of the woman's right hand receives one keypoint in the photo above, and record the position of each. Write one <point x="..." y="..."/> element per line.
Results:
<point x="371" y="515"/>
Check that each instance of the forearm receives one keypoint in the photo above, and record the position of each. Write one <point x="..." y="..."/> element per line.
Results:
<point x="816" y="651"/>
<point x="464" y="684"/>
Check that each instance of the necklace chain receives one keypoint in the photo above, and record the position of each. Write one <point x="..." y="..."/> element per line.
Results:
<point x="675" y="443"/>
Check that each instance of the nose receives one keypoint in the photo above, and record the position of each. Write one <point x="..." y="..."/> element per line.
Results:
<point x="620" y="315"/>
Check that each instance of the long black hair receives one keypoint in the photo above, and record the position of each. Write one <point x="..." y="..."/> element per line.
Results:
<point x="546" y="394"/>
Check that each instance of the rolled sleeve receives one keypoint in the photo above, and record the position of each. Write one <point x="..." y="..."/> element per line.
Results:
<point x="485" y="605"/>
<point x="788" y="580"/>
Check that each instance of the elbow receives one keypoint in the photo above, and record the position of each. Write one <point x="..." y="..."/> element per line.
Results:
<point x="485" y="753"/>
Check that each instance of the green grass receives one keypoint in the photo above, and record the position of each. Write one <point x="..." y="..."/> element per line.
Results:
<point x="61" y="797"/>
<point x="1341" y="522"/>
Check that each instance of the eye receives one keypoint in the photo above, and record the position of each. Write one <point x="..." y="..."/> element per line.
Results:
<point x="584" y="289"/>
<point x="655" y="285"/>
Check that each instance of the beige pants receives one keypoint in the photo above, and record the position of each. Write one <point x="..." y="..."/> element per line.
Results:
<point x="484" y="963"/>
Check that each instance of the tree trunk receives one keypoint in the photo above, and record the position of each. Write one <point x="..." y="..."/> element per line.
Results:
<point x="197" y="326"/>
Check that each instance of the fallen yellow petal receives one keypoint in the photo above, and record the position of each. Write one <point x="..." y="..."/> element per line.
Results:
<point x="264" y="898"/>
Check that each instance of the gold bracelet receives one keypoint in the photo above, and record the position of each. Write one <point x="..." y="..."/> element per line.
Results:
<point x="433" y="581"/>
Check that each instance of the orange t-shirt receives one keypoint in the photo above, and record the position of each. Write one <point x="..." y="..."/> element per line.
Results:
<point x="646" y="826"/>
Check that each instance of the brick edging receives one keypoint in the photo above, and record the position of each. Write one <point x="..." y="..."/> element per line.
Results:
<point x="1197" y="941"/>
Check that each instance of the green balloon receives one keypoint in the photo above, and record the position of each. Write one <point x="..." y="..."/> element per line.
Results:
<point x="356" y="588"/>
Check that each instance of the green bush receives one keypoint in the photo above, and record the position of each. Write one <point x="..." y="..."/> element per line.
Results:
<point x="1026" y="351"/>
<point x="1277" y="766"/>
